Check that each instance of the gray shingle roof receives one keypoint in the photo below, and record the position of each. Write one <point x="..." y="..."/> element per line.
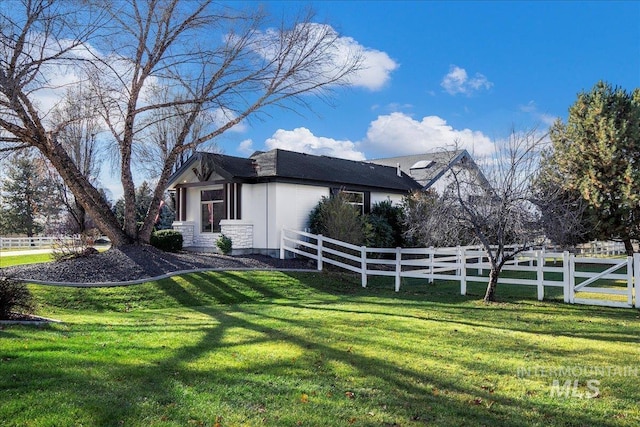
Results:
<point x="331" y="170"/>
<point x="307" y="168"/>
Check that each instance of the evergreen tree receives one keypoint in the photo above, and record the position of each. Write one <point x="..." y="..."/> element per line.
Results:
<point x="25" y="197"/>
<point x="144" y="197"/>
<point x="597" y="153"/>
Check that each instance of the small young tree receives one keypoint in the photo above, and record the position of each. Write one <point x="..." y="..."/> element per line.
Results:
<point x="497" y="214"/>
<point x="503" y="219"/>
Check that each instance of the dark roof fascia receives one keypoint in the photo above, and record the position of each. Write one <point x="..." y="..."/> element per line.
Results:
<point x="280" y="172"/>
<point x="209" y="183"/>
<point x="332" y="184"/>
<point x="183" y="168"/>
<point x="218" y="159"/>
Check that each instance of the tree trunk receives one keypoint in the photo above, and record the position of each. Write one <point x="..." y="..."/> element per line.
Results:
<point x="490" y="295"/>
<point x="81" y="218"/>
<point x="86" y="194"/>
<point x="628" y="246"/>
<point x="144" y="234"/>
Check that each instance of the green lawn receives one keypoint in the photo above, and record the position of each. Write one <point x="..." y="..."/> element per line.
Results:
<point x="8" y="261"/>
<point x="278" y="349"/>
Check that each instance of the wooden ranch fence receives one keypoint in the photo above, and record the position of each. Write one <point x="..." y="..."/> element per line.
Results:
<point x="583" y="280"/>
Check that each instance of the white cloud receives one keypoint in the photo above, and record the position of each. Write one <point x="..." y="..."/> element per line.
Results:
<point x="303" y="141"/>
<point x="532" y="109"/>
<point x="221" y="116"/>
<point x="398" y="134"/>
<point x="457" y="81"/>
<point x="246" y="147"/>
<point x="375" y="66"/>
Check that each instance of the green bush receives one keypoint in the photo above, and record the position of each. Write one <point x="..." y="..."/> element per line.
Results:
<point x="334" y="217"/>
<point x="167" y="240"/>
<point x="379" y="233"/>
<point x="386" y="221"/>
<point x="14" y="298"/>
<point x="224" y="244"/>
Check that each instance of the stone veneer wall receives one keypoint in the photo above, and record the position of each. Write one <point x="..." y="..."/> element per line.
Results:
<point x="240" y="233"/>
<point x="186" y="229"/>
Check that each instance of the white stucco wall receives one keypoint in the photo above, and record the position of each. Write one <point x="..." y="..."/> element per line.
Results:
<point x="266" y="209"/>
<point x="271" y="206"/>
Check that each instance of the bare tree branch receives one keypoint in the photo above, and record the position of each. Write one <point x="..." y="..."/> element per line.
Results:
<point x="125" y="49"/>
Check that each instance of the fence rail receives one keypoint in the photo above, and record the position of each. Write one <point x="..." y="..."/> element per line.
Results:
<point x="578" y="276"/>
<point x="32" y="242"/>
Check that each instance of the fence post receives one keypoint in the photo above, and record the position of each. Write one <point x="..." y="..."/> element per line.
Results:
<point x="363" y="265"/>
<point x="636" y="277"/>
<point x="540" y="273"/>
<point x="565" y="276"/>
<point x="282" y="243"/>
<point x="319" y="252"/>
<point x="630" y="281"/>
<point x="431" y="259"/>
<point x="572" y="278"/>
<point x="398" y="267"/>
<point x="463" y="271"/>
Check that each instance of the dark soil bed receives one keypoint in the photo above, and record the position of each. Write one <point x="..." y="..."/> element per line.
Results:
<point x="137" y="262"/>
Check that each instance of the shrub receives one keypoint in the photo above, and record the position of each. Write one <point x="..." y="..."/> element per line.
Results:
<point x="14" y="297"/>
<point x="380" y="234"/>
<point x="386" y="221"/>
<point x="224" y="244"/>
<point x="334" y="217"/>
<point x="167" y="240"/>
<point x="70" y="247"/>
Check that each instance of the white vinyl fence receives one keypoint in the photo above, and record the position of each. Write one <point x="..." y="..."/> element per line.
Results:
<point x="581" y="279"/>
<point x="31" y="242"/>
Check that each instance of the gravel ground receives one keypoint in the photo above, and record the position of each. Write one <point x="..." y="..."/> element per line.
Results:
<point x="139" y="262"/>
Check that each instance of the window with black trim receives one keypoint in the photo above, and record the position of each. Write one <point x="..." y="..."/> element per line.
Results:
<point x="211" y="210"/>
<point x="355" y="199"/>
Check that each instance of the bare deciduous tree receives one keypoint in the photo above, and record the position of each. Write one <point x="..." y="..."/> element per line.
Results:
<point x="504" y="220"/>
<point x="80" y="125"/>
<point x="494" y="209"/>
<point x="214" y="61"/>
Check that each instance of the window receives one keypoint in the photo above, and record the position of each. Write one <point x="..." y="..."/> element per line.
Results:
<point x="356" y="199"/>
<point x="212" y="210"/>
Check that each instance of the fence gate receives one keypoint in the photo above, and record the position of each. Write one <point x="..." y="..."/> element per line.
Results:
<point x="616" y="278"/>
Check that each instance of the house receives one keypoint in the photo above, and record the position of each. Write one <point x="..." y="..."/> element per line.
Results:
<point x="251" y="199"/>
<point x="436" y="170"/>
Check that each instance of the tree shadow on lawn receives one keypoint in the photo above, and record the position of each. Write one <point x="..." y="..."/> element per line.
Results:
<point x="521" y="313"/>
<point x="160" y="391"/>
<point x="161" y="386"/>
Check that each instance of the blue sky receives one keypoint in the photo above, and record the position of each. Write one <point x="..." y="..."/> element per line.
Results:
<point x="454" y="70"/>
